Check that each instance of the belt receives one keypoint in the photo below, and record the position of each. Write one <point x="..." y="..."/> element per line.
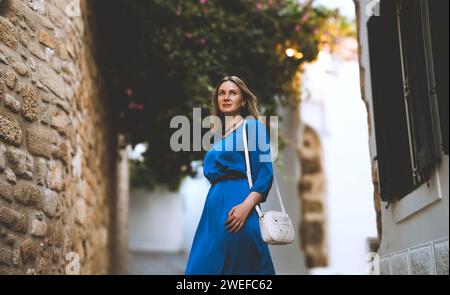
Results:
<point x="231" y="175"/>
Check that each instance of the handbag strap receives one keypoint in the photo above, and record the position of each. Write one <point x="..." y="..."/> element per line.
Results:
<point x="249" y="173"/>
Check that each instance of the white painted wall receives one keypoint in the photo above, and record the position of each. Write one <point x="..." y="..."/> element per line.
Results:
<point x="333" y="106"/>
<point x="288" y="259"/>
<point x="155" y="221"/>
<point x="193" y="192"/>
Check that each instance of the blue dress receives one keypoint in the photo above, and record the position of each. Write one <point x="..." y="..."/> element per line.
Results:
<point x="216" y="251"/>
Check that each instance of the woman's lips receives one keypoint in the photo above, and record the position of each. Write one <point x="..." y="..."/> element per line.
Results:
<point x="226" y="105"/>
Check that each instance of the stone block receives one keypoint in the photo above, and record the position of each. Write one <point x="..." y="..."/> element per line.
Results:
<point x="10" y="130"/>
<point x="399" y="263"/>
<point x="422" y="260"/>
<point x="8" y="33"/>
<point x="6" y="256"/>
<point x="6" y="191"/>
<point x="20" y="68"/>
<point x="10" y="79"/>
<point x="13" y="219"/>
<point x="50" y="202"/>
<point x="47" y="39"/>
<point x="12" y="103"/>
<point x="52" y="80"/>
<point x="385" y="267"/>
<point x="30" y="105"/>
<point x="441" y="257"/>
<point x="38" y="228"/>
<point x="80" y="211"/>
<point x="28" y="194"/>
<point x="56" y="176"/>
<point x="41" y="171"/>
<point x="20" y="162"/>
<point x="41" y="141"/>
<point x="28" y="250"/>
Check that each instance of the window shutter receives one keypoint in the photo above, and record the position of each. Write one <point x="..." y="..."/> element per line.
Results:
<point x="417" y="91"/>
<point x="439" y="38"/>
<point x="391" y="131"/>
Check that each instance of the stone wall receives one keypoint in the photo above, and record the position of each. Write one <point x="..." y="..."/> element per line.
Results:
<point x="374" y="168"/>
<point x="56" y="146"/>
<point x="430" y="258"/>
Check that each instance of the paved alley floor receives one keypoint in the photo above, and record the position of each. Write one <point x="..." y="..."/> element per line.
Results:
<point x="156" y="263"/>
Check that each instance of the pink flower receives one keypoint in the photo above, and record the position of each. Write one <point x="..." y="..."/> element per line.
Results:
<point x="135" y="106"/>
<point x="129" y="92"/>
<point x="202" y="1"/>
<point x="270" y="2"/>
<point x="259" y="6"/>
<point x="202" y="41"/>
<point x="297" y="28"/>
<point x="305" y="18"/>
<point x="178" y="11"/>
<point x="188" y="35"/>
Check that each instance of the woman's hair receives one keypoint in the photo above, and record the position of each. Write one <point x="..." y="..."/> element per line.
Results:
<point x="250" y="104"/>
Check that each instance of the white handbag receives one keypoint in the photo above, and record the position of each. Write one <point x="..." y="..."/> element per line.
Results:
<point x="276" y="226"/>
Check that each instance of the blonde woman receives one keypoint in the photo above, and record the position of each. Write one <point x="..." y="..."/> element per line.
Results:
<point x="228" y="238"/>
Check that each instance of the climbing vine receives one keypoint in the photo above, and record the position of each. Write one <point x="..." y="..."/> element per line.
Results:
<point x="161" y="58"/>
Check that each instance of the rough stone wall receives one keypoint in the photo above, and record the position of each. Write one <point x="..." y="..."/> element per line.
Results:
<point x="56" y="146"/>
<point x="374" y="166"/>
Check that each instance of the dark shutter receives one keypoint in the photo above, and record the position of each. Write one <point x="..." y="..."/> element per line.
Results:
<point x="417" y="91"/>
<point x="439" y="38"/>
<point x="394" y="164"/>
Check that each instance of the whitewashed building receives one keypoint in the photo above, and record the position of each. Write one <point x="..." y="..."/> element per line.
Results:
<point x="404" y="82"/>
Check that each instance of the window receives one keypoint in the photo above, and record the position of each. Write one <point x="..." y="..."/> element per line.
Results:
<point x="406" y="139"/>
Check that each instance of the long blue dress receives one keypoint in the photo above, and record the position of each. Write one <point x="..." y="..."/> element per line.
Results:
<point x="214" y="249"/>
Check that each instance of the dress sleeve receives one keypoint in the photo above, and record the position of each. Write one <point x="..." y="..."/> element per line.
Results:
<point x="260" y="157"/>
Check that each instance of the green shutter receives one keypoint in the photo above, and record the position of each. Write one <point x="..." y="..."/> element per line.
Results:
<point x="418" y="94"/>
<point x="394" y="164"/>
<point x="439" y="39"/>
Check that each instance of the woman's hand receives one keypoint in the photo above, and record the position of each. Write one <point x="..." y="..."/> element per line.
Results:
<point x="237" y="217"/>
<point x="238" y="214"/>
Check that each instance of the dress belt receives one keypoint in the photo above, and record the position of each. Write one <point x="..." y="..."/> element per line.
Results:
<point x="231" y="175"/>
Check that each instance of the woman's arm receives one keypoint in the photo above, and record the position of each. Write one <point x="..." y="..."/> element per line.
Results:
<point x="260" y="158"/>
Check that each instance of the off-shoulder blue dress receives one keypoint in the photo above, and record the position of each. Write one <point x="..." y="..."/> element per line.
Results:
<point x="216" y="251"/>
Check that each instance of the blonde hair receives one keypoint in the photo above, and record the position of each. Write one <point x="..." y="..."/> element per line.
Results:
<point x="250" y="101"/>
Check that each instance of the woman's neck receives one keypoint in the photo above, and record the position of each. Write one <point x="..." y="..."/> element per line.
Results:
<point x="231" y="124"/>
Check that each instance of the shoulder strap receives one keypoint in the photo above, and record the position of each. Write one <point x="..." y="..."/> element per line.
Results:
<point x="249" y="173"/>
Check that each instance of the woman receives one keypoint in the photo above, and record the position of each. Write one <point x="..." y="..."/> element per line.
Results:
<point x="228" y="238"/>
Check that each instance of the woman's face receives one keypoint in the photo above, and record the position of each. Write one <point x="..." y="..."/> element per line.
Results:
<point x="229" y="98"/>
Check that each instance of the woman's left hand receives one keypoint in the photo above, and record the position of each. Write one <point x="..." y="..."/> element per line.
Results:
<point x="237" y="216"/>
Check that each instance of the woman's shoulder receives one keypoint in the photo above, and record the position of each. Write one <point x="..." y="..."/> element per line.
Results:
<point x="252" y="121"/>
<point x="257" y="127"/>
